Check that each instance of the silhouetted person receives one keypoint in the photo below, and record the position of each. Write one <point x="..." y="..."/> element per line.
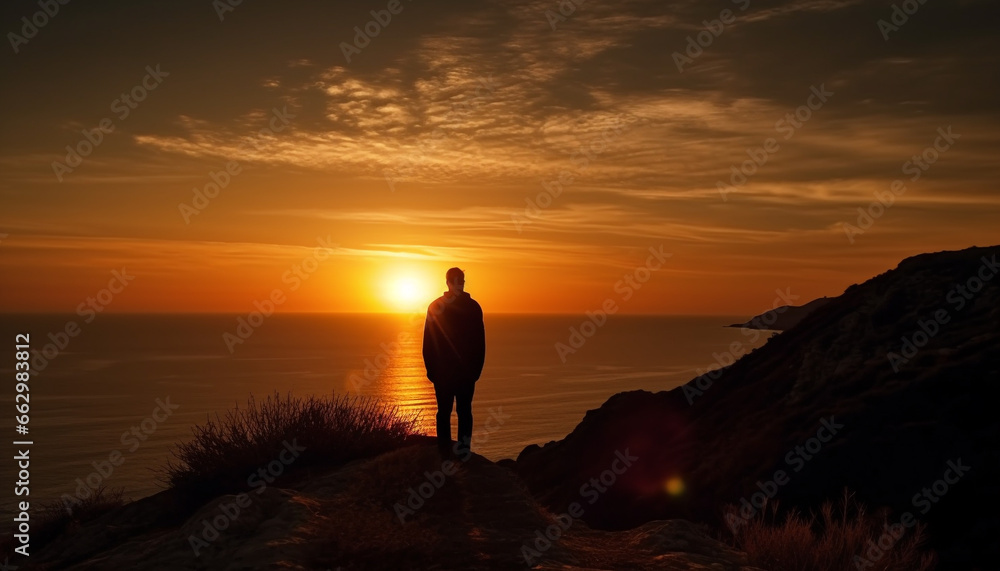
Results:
<point x="454" y="351"/>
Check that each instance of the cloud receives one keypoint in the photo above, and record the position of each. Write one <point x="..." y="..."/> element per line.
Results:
<point x="457" y="117"/>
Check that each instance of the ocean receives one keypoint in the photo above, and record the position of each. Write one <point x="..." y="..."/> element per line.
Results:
<point x="135" y="385"/>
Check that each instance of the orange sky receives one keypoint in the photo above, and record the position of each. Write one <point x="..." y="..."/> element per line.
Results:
<point x="433" y="146"/>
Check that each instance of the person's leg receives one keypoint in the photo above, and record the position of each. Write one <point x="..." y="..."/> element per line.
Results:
<point x="445" y="397"/>
<point x="463" y="399"/>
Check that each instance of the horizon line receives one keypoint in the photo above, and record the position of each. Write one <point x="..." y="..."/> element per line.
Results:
<point x="397" y="313"/>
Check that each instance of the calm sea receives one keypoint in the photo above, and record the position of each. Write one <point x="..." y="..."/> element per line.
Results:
<point x="113" y="374"/>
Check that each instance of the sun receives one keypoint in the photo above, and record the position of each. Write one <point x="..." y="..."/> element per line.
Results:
<point x="408" y="291"/>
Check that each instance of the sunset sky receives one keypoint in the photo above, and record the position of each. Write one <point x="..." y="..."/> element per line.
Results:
<point x="432" y="146"/>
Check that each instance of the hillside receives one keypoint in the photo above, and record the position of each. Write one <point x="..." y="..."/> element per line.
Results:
<point x="884" y="390"/>
<point x="479" y="517"/>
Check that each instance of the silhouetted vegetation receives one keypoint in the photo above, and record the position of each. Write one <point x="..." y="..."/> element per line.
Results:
<point x="841" y="536"/>
<point x="228" y="451"/>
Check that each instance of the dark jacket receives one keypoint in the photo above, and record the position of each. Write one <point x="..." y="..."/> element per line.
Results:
<point x="454" y="340"/>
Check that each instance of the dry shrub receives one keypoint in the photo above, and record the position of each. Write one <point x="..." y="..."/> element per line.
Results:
<point x="227" y="450"/>
<point x="842" y="536"/>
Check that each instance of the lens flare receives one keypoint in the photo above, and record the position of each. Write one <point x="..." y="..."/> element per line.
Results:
<point x="674" y="486"/>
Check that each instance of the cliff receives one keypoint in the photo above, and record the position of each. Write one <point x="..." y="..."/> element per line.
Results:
<point x="782" y="318"/>
<point x="885" y="390"/>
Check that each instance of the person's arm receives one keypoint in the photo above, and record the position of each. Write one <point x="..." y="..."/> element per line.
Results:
<point x="429" y="348"/>
<point x="479" y="358"/>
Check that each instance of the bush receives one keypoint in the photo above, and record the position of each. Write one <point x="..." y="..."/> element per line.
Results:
<point x="226" y="451"/>
<point x="845" y="536"/>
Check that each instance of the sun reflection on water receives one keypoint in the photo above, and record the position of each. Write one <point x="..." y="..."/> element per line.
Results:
<point x="404" y="380"/>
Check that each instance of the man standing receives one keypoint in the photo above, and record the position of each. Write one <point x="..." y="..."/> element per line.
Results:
<point x="454" y="351"/>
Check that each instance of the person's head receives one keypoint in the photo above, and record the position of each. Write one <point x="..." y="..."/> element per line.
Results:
<point x="455" y="278"/>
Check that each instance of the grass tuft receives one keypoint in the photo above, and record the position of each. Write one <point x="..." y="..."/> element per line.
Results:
<point x="57" y="517"/>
